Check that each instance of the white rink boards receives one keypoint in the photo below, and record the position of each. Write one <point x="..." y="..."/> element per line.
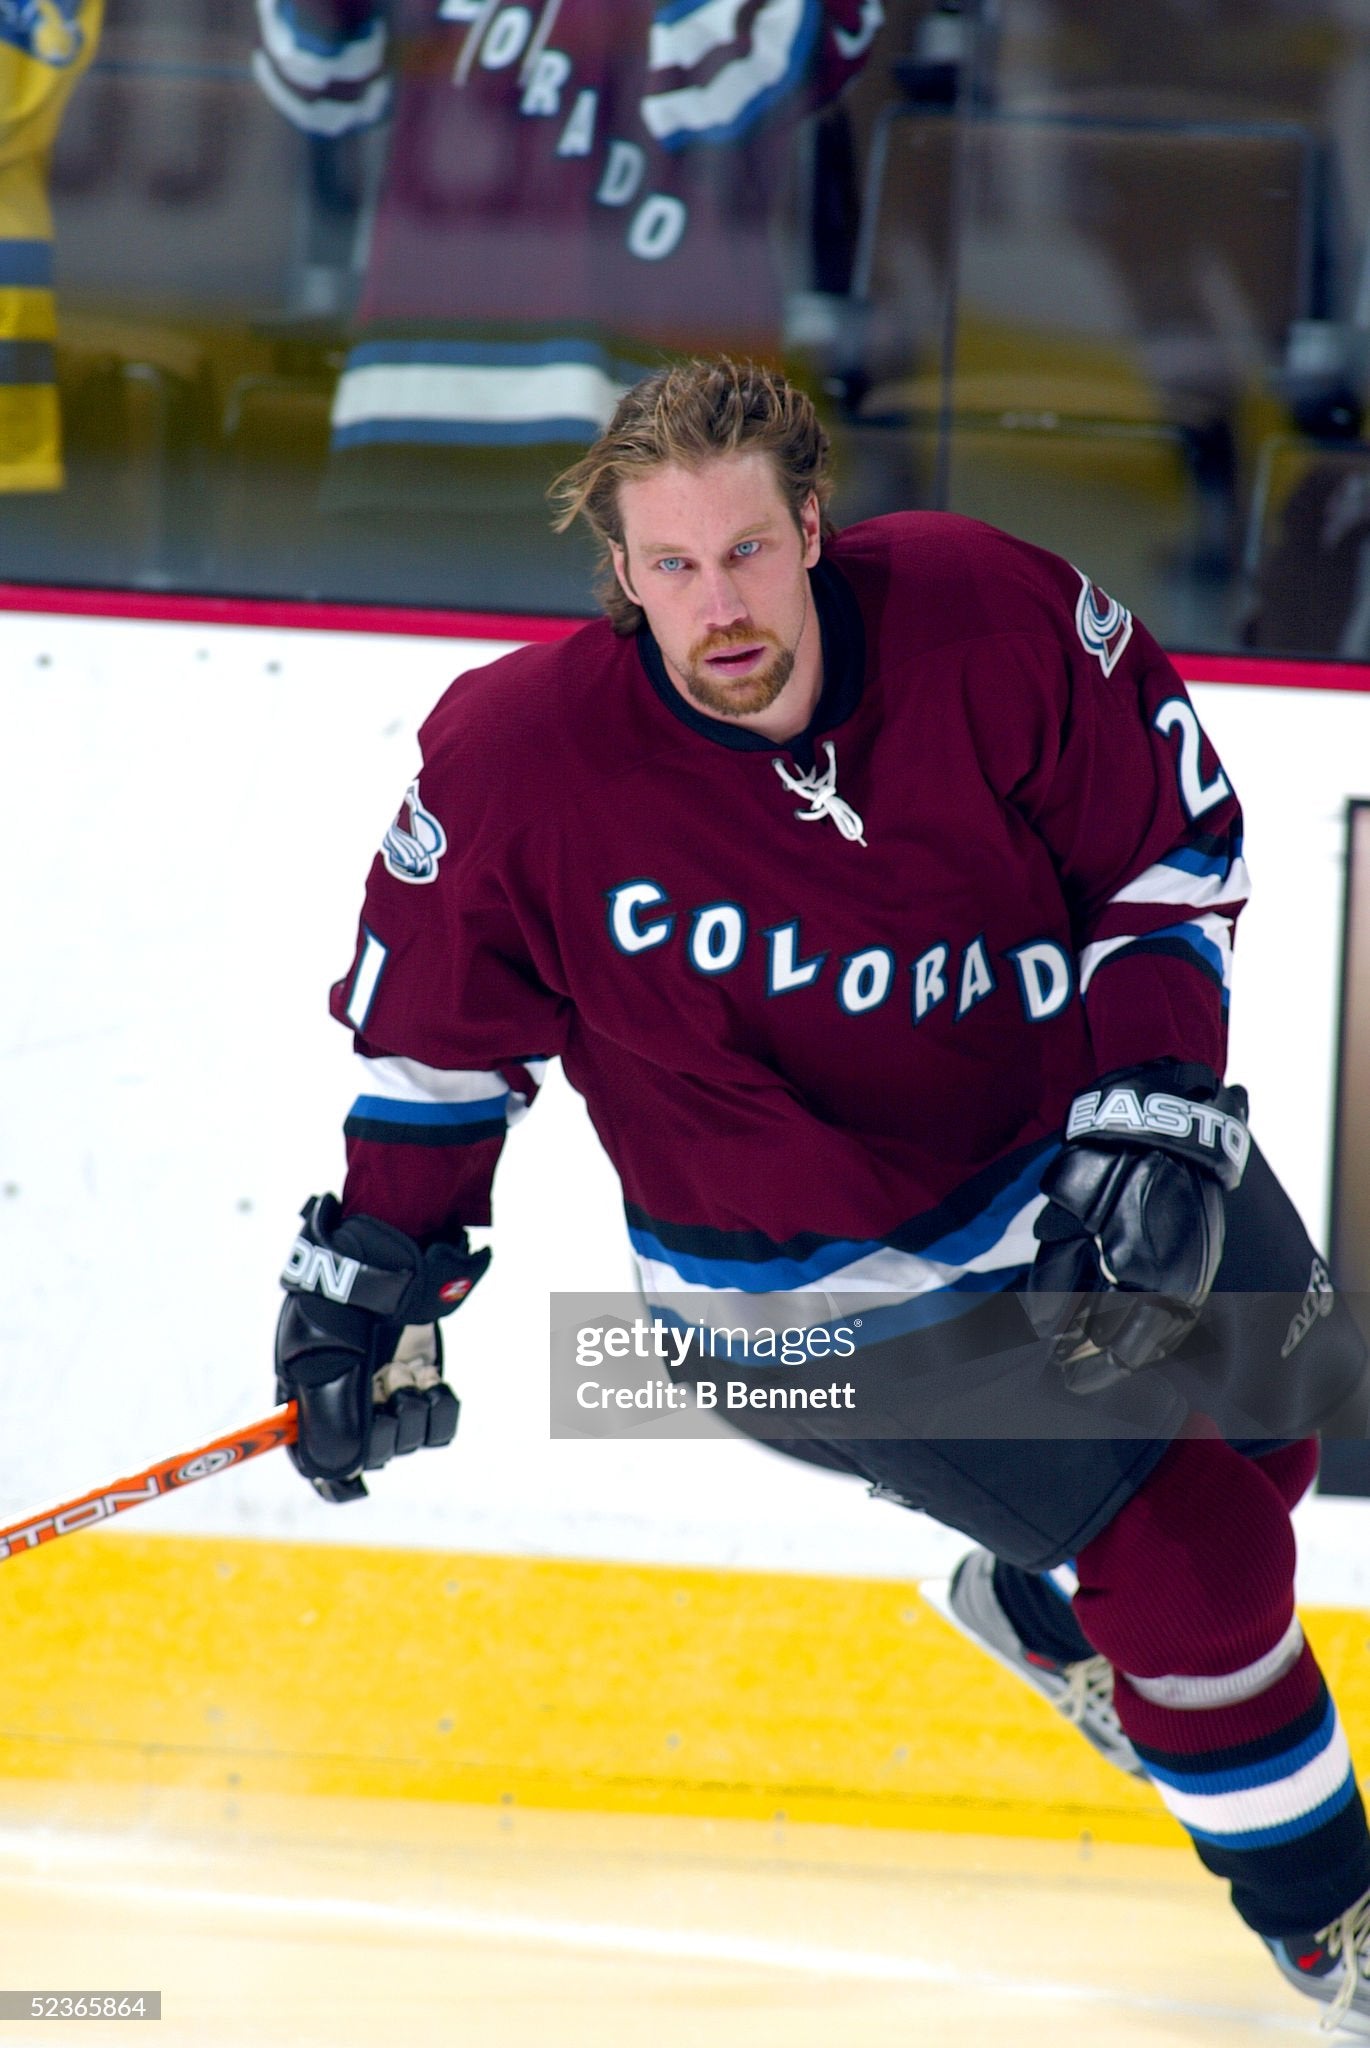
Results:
<point x="190" y="812"/>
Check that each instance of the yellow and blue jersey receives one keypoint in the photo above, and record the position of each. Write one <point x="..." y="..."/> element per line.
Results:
<point x="45" y="45"/>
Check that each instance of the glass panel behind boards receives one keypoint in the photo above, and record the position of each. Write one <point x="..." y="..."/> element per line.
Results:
<point x="313" y="300"/>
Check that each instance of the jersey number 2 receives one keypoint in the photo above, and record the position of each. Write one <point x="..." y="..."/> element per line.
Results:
<point x="1197" y="795"/>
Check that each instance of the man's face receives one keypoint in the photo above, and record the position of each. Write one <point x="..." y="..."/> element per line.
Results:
<point x="715" y="560"/>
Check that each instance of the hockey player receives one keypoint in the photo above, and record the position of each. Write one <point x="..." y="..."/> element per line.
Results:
<point x="876" y="890"/>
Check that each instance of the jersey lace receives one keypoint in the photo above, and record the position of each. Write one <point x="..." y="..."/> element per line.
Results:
<point x="820" y="793"/>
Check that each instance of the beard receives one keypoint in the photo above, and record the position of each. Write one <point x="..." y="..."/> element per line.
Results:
<point x="755" y="692"/>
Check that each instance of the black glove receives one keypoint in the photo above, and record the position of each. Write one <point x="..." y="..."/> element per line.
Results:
<point x="357" y="1344"/>
<point x="1135" y="1208"/>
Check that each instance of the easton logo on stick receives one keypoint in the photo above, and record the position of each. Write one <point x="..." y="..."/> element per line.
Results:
<point x="81" y="1515"/>
<point x="106" y="1501"/>
<point x="205" y="1466"/>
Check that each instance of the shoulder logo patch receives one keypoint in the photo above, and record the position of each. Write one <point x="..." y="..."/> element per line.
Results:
<point x="46" y="30"/>
<point x="1104" y="625"/>
<point x="415" y="842"/>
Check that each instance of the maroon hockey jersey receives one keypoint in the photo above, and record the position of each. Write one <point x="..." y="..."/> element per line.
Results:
<point x="569" y="189"/>
<point x="818" y="1057"/>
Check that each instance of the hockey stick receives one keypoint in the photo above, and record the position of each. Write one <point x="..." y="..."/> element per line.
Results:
<point x="166" y="1477"/>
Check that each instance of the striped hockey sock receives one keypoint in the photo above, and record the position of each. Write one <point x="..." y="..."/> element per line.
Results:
<point x="1189" y="1593"/>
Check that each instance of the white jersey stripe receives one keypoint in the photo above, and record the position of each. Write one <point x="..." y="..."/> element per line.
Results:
<point x="677" y="45"/>
<point x="1166" y="884"/>
<point x="476" y="393"/>
<point x="321" y="117"/>
<point x="1217" y="930"/>
<point x="401" y="1080"/>
<point x="1263" y="1806"/>
<point x="1093" y="957"/>
<point x="316" y="70"/>
<point x="519" y="1104"/>
<point x="673" y="117"/>
<point x="1224" y="1688"/>
<point x="373" y="959"/>
<point x="852" y="44"/>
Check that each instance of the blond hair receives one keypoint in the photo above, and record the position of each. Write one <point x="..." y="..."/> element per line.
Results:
<point x="690" y="413"/>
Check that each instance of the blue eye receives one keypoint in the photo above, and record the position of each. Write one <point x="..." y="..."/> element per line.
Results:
<point x="746" y="547"/>
<point x="670" y="563"/>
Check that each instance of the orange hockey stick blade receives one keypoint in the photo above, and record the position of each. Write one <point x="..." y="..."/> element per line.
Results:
<point x="118" y="1495"/>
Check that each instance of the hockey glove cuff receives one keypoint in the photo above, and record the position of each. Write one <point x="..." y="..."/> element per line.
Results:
<point x="1135" y="1208"/>
<point x="357" y="1344"/>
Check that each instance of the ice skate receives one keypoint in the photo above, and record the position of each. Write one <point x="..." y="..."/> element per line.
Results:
<point x="1082" y="1693"/>
<point x="1332" y="1965"/>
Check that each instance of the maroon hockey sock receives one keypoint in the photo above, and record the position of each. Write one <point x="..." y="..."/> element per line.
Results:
<point x="1041" y="1611"/>
<point x="1189" y="1594"/>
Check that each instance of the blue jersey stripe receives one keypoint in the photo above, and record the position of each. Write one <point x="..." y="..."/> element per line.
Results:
<point x="764" y="1276"/>
<point x="417" y="433"/>
<point x="1246" y="1777"/>
<point x="877" y="1325"/>
<point x="935" y="1305"/>
<point x="970" y="1240"/>
<point x="385" y="1109"/>
<point x="1190" y="861"/>
<point x="492" y="355"/>
<point x="27" y="362"/>
<point x="1236" y="1755"/>
<point x="1192" y="935"/>
<point x="1285" y="1831"/>
<point x="26" y="263"/>
<point x="317" y="40"/>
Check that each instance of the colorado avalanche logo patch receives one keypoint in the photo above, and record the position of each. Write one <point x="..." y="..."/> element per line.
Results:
<point x="1104" y="625"/>
<point x="415" y="842"/>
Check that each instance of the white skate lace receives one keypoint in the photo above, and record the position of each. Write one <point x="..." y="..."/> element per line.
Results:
<point x="1089" y="1695"/>
<point x="820" y="793"/>
<point x="1349" y="1938"/>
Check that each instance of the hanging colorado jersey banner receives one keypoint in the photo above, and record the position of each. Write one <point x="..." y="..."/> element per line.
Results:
<point x="44" y="47"/>
<point x="569" y="189"/>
